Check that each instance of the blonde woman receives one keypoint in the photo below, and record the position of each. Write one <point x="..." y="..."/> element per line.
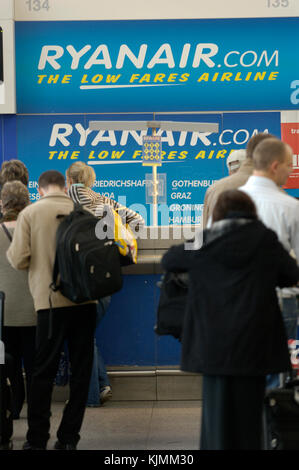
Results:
<point x="80" y="178"/>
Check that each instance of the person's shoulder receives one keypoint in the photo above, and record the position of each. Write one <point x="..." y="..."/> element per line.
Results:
<point x="55" y="200"/>
<point x="228" y="182"/>
<point x="270" y="238"/>
<point x="287" y="200"/>
<point x="219" y="184"/>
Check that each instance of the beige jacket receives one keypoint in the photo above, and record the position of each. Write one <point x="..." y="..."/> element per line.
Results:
<point x="234" y="181"/>
<point x="33" y="246"/>
<point x="18" y="307"/>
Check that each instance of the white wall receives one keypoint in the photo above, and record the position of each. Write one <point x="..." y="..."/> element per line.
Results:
<point x="151" y="9"/>
<point x="7" y="88"/>
<point x="6" y="9"/>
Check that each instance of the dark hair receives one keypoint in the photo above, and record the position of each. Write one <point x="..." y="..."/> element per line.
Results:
<point x="15" y="197"/>
<point x="234" y="202"/>
<point x="51" y="177"/>
<point x="255" y="140"/>
<point x="14" y="170"/>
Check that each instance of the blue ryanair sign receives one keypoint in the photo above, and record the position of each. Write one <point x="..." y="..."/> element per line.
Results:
<point x="157" y="65"/>
<point x="192" y="161"/>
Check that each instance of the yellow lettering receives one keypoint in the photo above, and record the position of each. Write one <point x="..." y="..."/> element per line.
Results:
<point x="112" y="78"/>
<point x="172" y="155"/>
<point x="145" y="78"/>
<point x="97" y="78"/>
<point x="84" y="78"/>
<point x="273" y="75"/>
<point x="204" y="76"/>
<point x="53" y="78"/>
<point x="183" y="155"/>
<point x="201" y="154"/>
<point x="63" y="155"/>
<point x="116" y="154"/>
<point x="172" y="77"/>
<point x="226" y="76"/>
<point x="51" y="154"/>
<point x="66" y="79"/>
<point x="104" y="154"/>
<point x="184" y="77"/>
<point x="75" y="155"/>
<point x="40" y="79"/>
<point x="221" y="153"/>
<point x="259" y="76"/>
<point x="136" y="154"/>
<point x="134" y="76"/>
<point x="159" y="77"/>
<point x="238" y="77"/>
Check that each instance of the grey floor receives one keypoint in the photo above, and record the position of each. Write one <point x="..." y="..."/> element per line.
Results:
<point x="129" y="425"/>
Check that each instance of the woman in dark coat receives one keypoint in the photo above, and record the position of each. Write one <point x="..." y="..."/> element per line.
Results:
<point x="233" y="330"/>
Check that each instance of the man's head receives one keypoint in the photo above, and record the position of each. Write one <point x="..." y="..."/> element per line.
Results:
<point x="255" y="140"/>
<point x="273" y="159"/>
<point x="234" y="160"/>
<point x="51" y="181"/>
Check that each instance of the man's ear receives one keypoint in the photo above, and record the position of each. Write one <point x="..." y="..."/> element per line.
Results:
<point x="273" y="166"/>
<point x="40" y="191"/>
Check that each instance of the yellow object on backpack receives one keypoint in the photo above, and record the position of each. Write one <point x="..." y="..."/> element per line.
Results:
<point x="125" y="240"/>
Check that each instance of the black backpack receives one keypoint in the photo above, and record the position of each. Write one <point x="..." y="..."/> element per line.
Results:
<point x="89" y="268"/>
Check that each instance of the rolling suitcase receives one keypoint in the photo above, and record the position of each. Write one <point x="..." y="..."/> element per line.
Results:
<point x="281" y="410"/>
<point x="281" y="417"/>
<point x="6" y="421"/>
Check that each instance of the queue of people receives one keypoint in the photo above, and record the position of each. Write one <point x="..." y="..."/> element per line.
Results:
<point x="31" y="252"/>
<point x="241" y="307"/>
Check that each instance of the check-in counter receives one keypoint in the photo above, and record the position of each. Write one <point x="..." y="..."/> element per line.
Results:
<point x="127" y="334"/>
<point x="153" y="242"/>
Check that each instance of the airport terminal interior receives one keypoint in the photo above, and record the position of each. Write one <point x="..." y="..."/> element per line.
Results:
<point x="156" y="98"/>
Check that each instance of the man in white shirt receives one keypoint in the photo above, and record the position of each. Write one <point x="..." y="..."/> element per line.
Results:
<point x="272" y="161"/>
<point x="233" y="181"/>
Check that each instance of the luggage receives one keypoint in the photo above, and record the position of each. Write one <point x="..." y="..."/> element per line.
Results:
<point x="89" y="268"/>
<point x="125" y="240"/>
<point x="172" y="304"/>
<point x="281" y="417"/>
<point x="281" y="410"/>
<point x="6" y="421"/>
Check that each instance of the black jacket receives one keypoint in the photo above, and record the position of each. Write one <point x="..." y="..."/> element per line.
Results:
<point x="233" y="324"/>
